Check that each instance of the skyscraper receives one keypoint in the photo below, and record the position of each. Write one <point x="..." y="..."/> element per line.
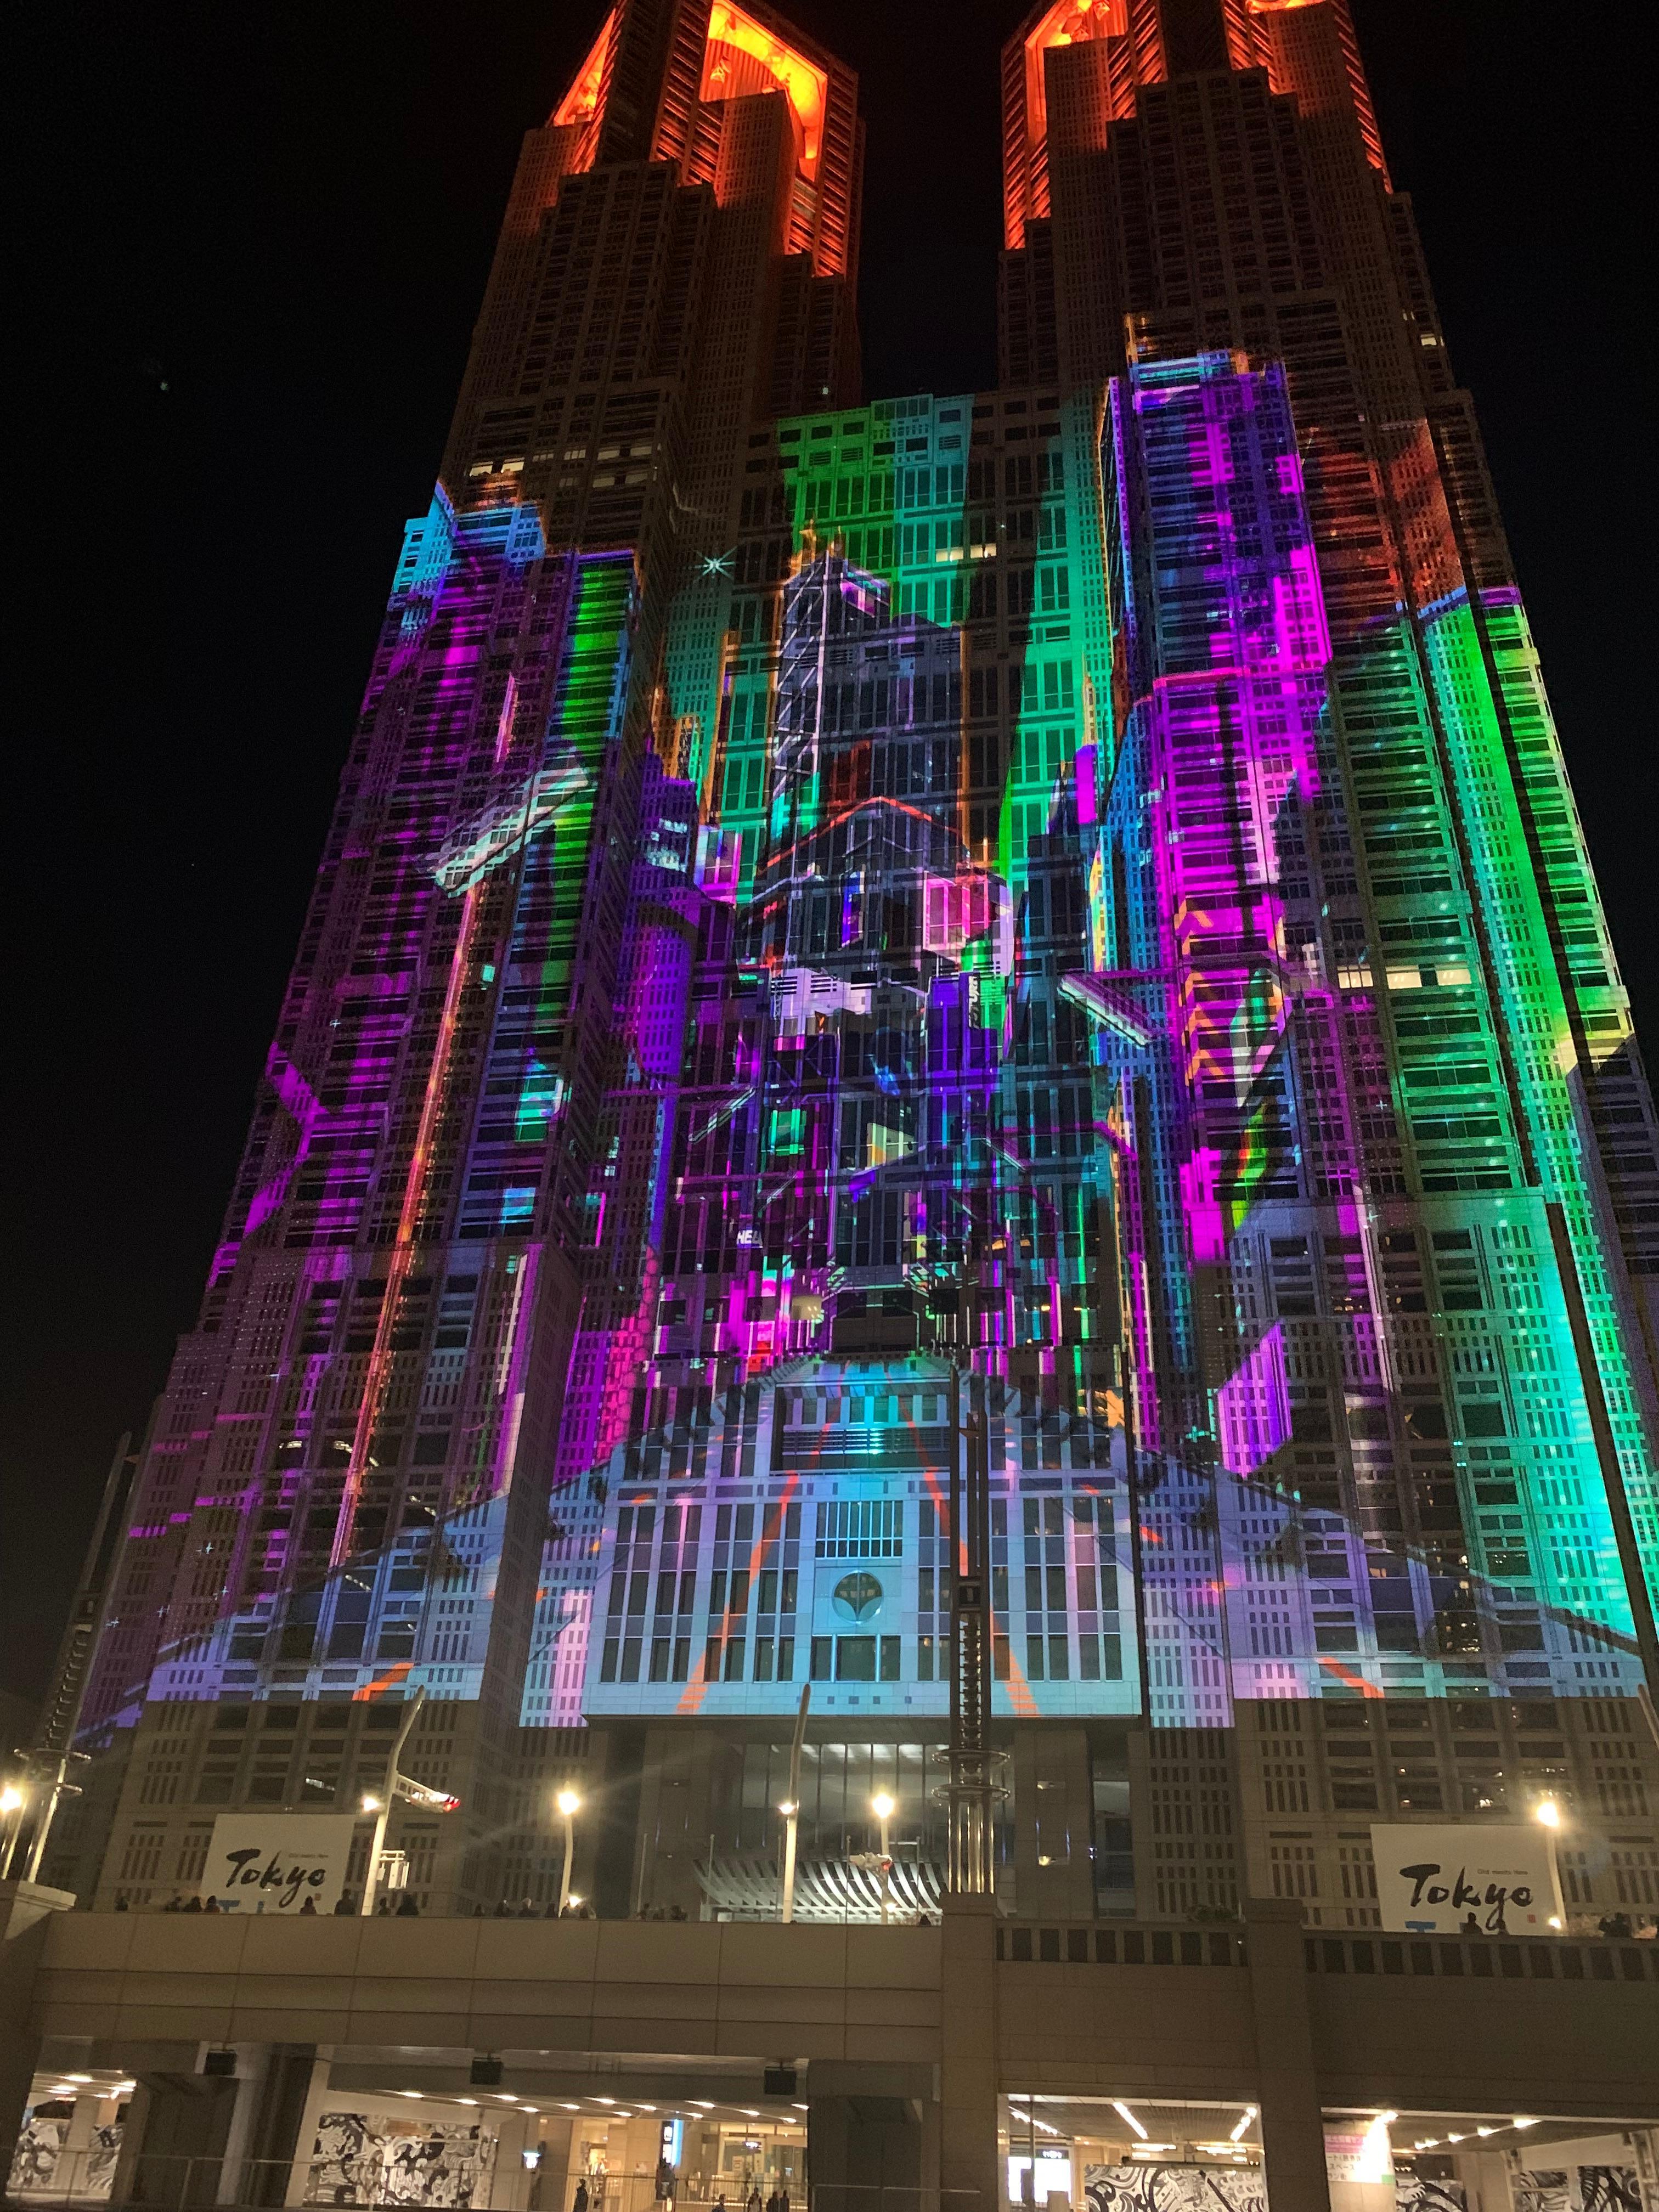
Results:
<point x="1058" y="909"/>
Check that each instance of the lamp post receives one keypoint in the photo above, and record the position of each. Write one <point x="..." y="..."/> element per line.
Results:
<point x="12" y="1802"/>
<point x="882" y="1806"/>
<point x="1547" y="1814"/>
<point x="569" y="1805"/>
<point x="790" y="1808"/>
<point x="398" y="1786"/>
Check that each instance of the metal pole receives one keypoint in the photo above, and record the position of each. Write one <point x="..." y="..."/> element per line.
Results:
<point x="792" y="1809"/>
<point x="569" y="1820"/>
<point x="394" y="1779"/>
<point x="14" y="1829"/>
<point x="970" y="1869"/>
<point x="53" y="1754"/>
<point x="886" y="1881"/>
<point x="372" y="1872"/>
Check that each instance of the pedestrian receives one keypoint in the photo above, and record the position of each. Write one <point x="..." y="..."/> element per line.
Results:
<point x="174" y="1904"/>
<point x="407" y="1910"/>
<point x="503" y="1910"/>
<point x="382" y="1908"/>
<point x="211" y="1904"/>
<point x="527" y="1910"/>
<point x="190" y="1905"/>
<point x="309" y="1906"/>
<point x="579" y="2203"/>
<point x="121" y="1901"/>
<point x="346" y="1906"/>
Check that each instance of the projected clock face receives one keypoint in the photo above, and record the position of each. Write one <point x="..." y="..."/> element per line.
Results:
<point x="857" y="1597"/>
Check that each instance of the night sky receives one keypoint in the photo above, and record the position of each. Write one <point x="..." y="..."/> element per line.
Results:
<point x="258" y="240"/>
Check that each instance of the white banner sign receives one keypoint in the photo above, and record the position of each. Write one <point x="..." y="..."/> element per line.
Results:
<point x="277" y="1862"/>
<point x="1466" y="1881"/>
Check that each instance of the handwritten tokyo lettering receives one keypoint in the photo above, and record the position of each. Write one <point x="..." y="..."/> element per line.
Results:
<point x="1463" y="1895"/>
<point x="287" y="1880"/>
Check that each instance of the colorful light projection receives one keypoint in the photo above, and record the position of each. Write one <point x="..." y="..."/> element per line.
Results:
<point x="865" y="1151"/>
<point x="1321" y="1265"/>
<point x="394" y="1237"/>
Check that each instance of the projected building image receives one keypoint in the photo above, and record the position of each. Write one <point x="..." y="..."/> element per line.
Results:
<point x="850" y="919"/>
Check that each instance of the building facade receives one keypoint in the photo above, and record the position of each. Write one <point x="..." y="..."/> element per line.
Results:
<point x="1063" y="905"/>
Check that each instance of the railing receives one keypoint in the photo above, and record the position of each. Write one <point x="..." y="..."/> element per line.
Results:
<point x="1484" y="1958"/>
<point x="161" y="2183"/>
<point x="1101" y="1943"/>
<point x="1489" y="1958"/>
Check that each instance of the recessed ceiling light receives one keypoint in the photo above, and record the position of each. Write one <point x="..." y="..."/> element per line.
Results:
<point x="409" y="2092"/>
<point x="77" y="2077"/>
<point x="466" y="2100"/>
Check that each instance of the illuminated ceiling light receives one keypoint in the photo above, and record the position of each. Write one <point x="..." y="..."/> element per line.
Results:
<point x="409" y="2092"/>
<point x="604" y="2101"/>
<point x="466" y="2100"/>
<point x="1124" y="2113"/>
<point x="1523" y="2120"/>
<point x="77" y="2077"/>
<point x="1486" y="2131"/>
<point x="1244" y="2119"/>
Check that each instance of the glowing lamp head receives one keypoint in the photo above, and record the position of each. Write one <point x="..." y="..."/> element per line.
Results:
<point x="371" y="1804"/>
<point x="788" y="1808"/>
<point x="11" y="1799"/>
<point x="1547" y="1812"/>
<point x="568" y="1802"/>
<point x="882" y="1806"/>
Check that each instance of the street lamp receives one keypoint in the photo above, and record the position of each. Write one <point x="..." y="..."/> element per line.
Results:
<point x="790" y="1809"/>
<point x="398" y="1786"/>
<point x="883" y="1806"/>
<point x="569" y="1805"/>
<point x="1547" y="1814"/>
<point x="12" y="1802"/>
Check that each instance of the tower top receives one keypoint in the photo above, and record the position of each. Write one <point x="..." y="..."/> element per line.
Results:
<point x="652" y="84"/>
<point x="1308" y="47"/>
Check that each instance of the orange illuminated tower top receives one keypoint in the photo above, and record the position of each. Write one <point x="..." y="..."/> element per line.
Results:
<point x="652" y="85"/>
<point x="1307" y="47"/>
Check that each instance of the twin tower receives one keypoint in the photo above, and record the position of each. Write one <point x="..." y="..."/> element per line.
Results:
<point x="1059" y="907"/>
